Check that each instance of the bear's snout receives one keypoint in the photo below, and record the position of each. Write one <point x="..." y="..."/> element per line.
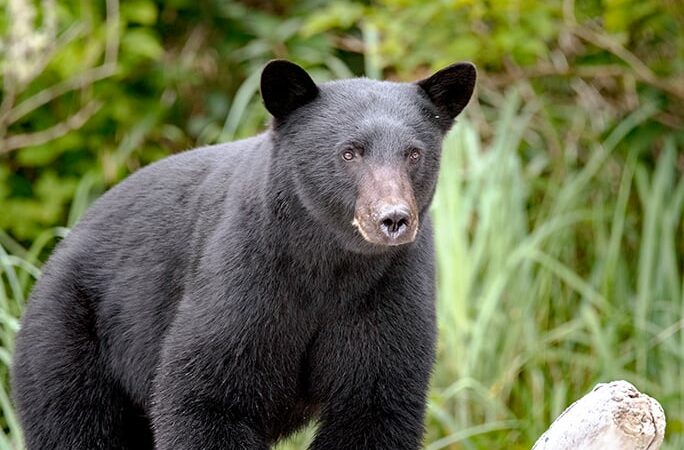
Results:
<point x="386" y="212"/>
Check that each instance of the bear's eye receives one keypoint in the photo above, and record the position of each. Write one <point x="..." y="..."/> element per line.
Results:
<point x="351" y="153"/>
<point x="414" y="155"/>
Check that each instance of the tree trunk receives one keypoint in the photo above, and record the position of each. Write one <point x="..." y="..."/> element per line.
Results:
<point x="613" y="416"/>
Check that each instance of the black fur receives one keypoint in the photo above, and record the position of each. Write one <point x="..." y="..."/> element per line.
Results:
<point x="221" y="298"/>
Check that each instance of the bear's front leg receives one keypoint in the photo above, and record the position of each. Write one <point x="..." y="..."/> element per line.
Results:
<point x="371" y="373"/>
<point x="222" y="380"/>
<point x="377" y="424"/>
<point x="204" y="428"/>
<point x="191" y="410"/>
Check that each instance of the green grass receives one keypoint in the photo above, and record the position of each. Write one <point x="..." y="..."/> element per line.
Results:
<point x="540" y="300"/>
<point x="547" y="285"/>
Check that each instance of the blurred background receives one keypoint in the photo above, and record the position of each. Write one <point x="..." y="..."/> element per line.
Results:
<point x="558" y="216"/>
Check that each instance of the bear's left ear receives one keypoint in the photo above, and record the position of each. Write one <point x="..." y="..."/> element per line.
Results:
<point x="285" y="87"/>
<point x="450" y="89"/>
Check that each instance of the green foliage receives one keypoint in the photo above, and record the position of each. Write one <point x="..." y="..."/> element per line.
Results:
<point x="184" y="77"/>
<point x="528" y="322"/>
<point x="559" y="213"/>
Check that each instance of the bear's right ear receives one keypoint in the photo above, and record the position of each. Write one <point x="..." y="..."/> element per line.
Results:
<point x="450" y="90"/>
<point x="285" y="87"/>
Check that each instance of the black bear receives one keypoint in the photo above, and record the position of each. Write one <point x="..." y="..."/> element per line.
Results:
<point x="226" y="296"/>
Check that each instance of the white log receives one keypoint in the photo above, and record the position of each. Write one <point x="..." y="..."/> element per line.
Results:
<point x="613" y="416"/>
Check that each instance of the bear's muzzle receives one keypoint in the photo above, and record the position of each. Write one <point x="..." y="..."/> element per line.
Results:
<point x="386" y="212"/>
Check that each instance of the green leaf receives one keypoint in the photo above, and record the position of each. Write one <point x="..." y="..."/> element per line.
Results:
<point x="143" y="12"/>
<point x="142" y="42"/>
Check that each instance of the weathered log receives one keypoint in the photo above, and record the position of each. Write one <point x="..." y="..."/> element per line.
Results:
<point x="613" y="416"/>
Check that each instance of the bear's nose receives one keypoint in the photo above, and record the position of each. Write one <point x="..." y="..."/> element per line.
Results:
<point x="395" y="220"/>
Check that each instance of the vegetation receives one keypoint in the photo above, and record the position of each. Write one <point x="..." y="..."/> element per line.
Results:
<point x="559" y="214"/>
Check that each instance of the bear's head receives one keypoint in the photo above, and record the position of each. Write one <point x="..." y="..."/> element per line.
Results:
<point x="363" y="155"/>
